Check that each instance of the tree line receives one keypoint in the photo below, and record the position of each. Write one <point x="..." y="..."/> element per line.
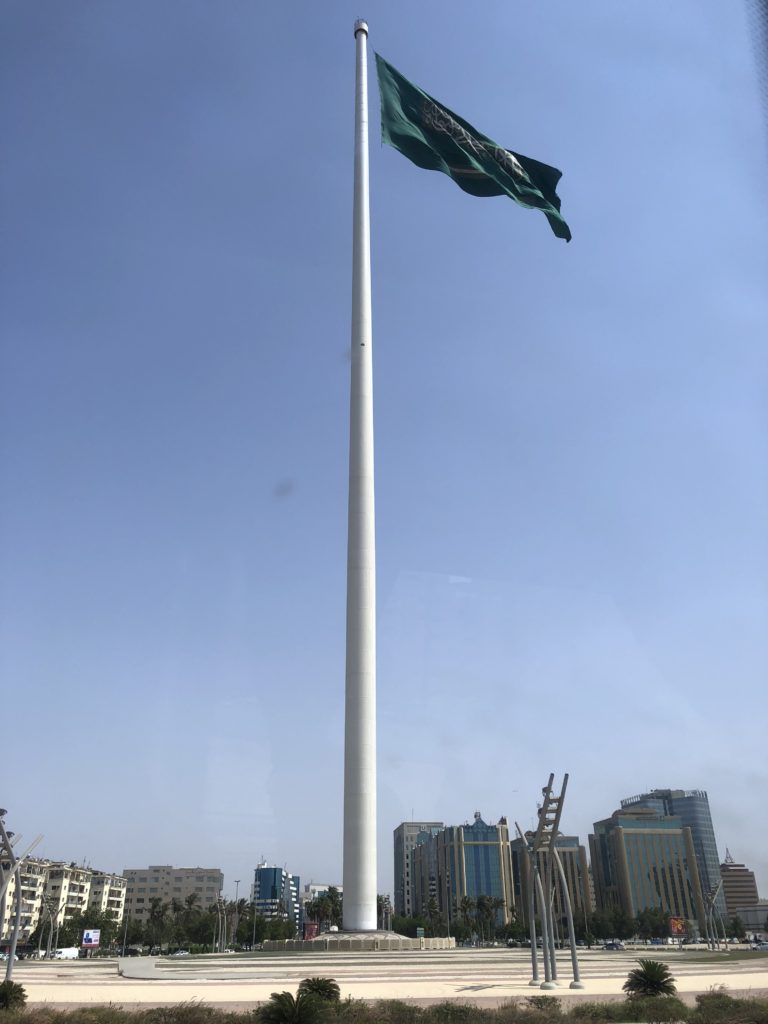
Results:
<point x="480" y="920"/>
<point x="186" y="925"/>
<point x="168" y="926"/>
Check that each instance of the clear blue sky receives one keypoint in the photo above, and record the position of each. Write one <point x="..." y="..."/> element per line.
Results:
<point x="572" y="482"/>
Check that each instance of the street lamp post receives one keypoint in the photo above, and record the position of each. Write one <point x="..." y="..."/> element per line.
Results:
<point x="7" y="852"/>
<point x="236" y="915"/>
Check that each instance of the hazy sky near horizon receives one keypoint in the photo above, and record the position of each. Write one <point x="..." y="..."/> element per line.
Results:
<point x="571" y="445"/>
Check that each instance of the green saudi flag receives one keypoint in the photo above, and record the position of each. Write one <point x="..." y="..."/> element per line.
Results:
<point x="435" y="138"/>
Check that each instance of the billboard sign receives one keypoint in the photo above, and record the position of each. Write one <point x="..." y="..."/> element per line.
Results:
<point x="91" y="938"/>
<point x="677" y="926"/>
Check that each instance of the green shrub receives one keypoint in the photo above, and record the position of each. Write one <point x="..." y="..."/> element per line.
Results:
<point x="285" y="1008"/>
<point x="455" y="1013"/>
<point x="109" y="1014"/>
<point x="12" y="995"/>
<point x="652" y="1010"/>
<point x="717" y="1007"/>
<point x="508" y="1013"/>
<point x="355" y="1011"/>
<point x="192" y="1012"/>
<point x="591" y="1011"/>
<point x="323" y="988"/>
<point x="548" y="1004"/>
<point x="650" y="978"/>
<point x="395" y="1011"/>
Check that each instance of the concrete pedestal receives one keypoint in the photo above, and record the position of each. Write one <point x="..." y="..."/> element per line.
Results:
<point x="357" y="942"/>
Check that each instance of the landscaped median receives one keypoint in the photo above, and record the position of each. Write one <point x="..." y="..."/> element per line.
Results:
<point x="318" y="1001"/>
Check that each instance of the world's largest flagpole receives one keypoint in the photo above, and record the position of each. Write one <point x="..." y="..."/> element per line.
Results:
<point x="359" y="874"/>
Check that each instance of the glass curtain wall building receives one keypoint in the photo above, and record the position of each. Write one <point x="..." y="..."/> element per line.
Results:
<point x="275" y="893"/>
<point x="642" y="860"/>
<point x="464" y="861"/>
<point x="692" y="807"/>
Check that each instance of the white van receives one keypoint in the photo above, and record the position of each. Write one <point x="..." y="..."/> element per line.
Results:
<point x="68" y="953"/>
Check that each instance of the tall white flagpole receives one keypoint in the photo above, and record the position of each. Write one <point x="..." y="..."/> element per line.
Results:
<point x="360" y="703"/>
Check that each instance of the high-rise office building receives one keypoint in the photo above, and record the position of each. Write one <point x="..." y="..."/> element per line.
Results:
<point x="692" y="807"/>
<point x="645" y="860"/>
<point x="275" y="893"/>
<point x="405" y="839"/>
<point x="167" y="883"/>
<point x="573" y="857"/>
<point x="739" y="886"/>
<point x="463" y="860"/>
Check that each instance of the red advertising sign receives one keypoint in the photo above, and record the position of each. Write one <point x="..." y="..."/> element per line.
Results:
<point x="677" y="926"/>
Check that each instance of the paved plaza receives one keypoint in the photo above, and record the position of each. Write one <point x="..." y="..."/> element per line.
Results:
<point x="484" y="976"/>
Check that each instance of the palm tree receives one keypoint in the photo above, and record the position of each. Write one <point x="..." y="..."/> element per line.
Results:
<point x="323" y="988"/>
<point x="319" y="909"/>
<point x="483" y="913"/>
<point x="191" y="909"/>
<point x="382" y="910"/>
<point x="651" y="978"/>
<point x="283" y="1008"/>
<point x="335" y="899"/>
<point x="497" y="904"/>
<point x="466" y="906"/>
<point x="157" y="917"/>
<point x="177" y="910"/>
<point x="433" y="913"/>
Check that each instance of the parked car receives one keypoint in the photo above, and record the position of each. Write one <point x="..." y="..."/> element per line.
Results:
<point x="614" y="945"/>
<point x="181" y="952"/>
<point x="760" y="947"/>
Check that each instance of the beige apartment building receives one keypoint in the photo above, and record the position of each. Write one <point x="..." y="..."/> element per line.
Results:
<point x="67" y="889"/>
<point x="107" y="894"/>
<point x="33" y="874"/>
<point x="166" y="883"/>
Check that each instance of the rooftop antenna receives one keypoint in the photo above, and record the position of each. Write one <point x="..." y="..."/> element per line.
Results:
<point x="728" y="857"/>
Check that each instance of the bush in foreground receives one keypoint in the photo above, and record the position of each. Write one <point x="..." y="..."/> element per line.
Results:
<point x="285" y="1008"/>
<point x="12" y="996"/>
<point x="323" y="988"/>
<point x="652" y="1010"/>
<point x="717" y="1007"/>
<point x="650" y="978"/>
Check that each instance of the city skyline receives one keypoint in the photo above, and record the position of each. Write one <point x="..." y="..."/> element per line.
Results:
<point x="386" y="863"/>
<point x="571" y="444"/>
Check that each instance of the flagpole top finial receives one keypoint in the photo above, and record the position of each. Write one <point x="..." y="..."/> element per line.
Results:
<point x="361" y="26"/>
